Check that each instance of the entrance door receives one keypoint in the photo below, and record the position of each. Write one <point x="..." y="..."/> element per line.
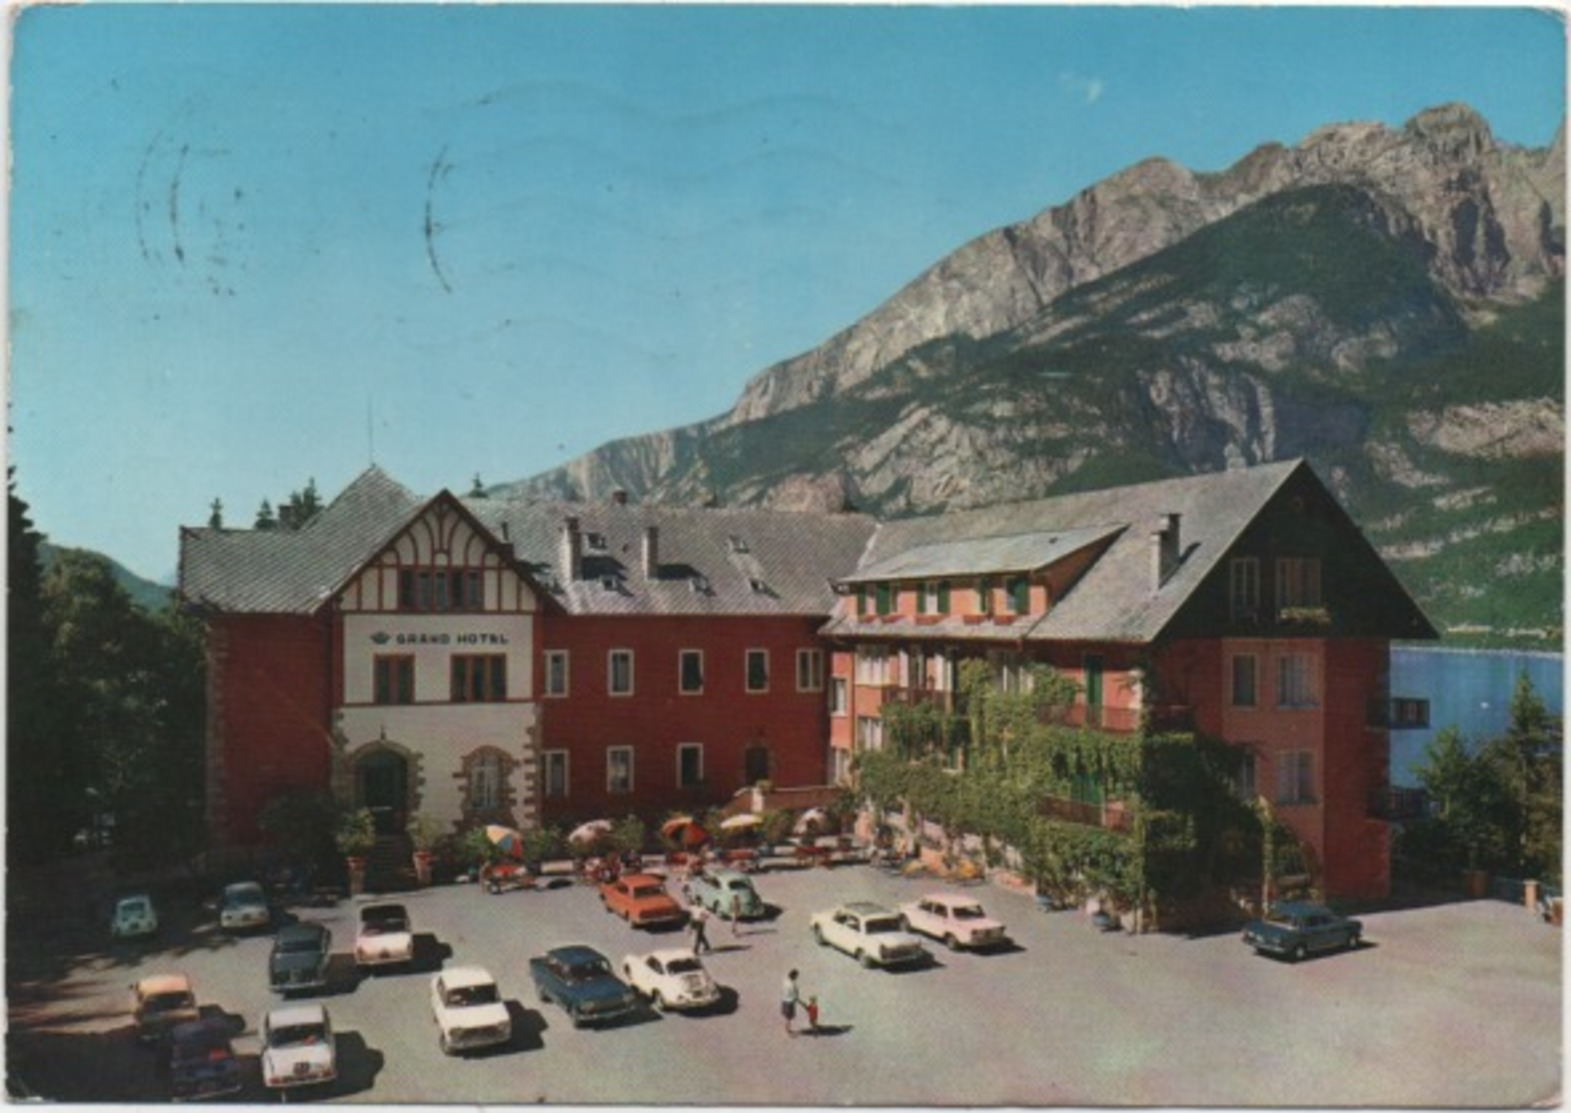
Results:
<point x="382" y="780"/>
<point x="1093" y="671"/>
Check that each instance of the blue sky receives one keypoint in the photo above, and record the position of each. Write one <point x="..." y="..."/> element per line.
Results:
<point x="254" y="245"/>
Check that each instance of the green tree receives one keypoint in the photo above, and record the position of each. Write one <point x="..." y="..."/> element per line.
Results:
<point x="215" y="517"/>
<point x="264" y="517"/>
<point x="45" y="768"/>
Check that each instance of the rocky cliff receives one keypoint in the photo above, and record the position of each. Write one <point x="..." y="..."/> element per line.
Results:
<point x="1387" y="302"/>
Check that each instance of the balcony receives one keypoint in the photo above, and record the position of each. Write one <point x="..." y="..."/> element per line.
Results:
<point x="1398" y="805"/>
<point x="1122" y="720"/>
<point x="1110" y="816"/>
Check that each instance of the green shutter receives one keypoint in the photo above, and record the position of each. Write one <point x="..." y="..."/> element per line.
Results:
<point x="943" y="596"/>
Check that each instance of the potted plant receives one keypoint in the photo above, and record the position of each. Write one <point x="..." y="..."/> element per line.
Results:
<point x="425" y="833"/>
<point x="355" y="836"/>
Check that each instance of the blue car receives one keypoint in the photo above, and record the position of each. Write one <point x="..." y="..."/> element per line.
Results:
<point x="1297" y="929"/>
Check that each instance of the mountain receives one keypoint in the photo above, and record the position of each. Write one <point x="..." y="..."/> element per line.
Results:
<point x="151" y="597"/>
<point x="1386" y="302"/>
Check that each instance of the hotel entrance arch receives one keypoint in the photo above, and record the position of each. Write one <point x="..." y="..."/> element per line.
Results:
<point x="382" y="787"/>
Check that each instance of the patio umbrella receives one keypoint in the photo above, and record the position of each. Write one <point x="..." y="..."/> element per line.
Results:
<point x="684" y="829"/>
<point x="588" y="832"/>
<point x="505" y="839"/>
<point x="741" y="822"/>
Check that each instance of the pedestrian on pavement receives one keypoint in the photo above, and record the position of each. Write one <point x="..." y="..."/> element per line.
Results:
<point x="812" y="1014"/>
<point x="698" y="922"/>
<point x="789" y="996"/>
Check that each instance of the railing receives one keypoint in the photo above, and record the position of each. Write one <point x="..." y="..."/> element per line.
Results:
<point x="1110" y="816"/>
<point x="1121" y="720"/>
<point x="1397" y="804"/>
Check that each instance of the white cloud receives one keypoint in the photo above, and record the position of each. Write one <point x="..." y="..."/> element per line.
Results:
<point x="1087" y="88"/>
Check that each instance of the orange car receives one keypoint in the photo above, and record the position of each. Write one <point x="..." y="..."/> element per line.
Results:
<point x="641" y="900"/>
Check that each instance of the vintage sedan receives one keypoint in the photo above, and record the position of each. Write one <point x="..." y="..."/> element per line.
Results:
<point x="244" y="906"/>
<point x="161" y="1001"/>
<point x="133" y="917"/>
<point x="727" y="893"/>
<point x="581" y="980"/>
<point x="1296" y="929"/>
<point x="298" y="1047"/>
<point x="384" y="937"/>
<point x="202" y="1063"/>
<point x="641" y="899"/>
<point x="959" y="921"/>
<point x="671" y="979"/>
<point x="300" y="957"/>
<point x="869" y="933"/>
<point x="468" y="1010"/>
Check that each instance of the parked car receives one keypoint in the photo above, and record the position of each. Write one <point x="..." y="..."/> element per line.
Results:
<point x="134" y="916"/>
<point x="300" y="957"/>
<point x="298" y="1047"/>
<point x="384" y="937"/>
<point x="581" y="980"/>
<point x="869" y="933"/>
<point x="1295" y="929"/>
<point x="671" y="979"/>
<point x="722" y="891"/>
<point x="959" y="921"/>
<point x="641" y="899"/>
<point x="161" y="1001"/>
<point x="243" y="906"/>
<point x="468" y="1010"/>
<point x="202" y="1063"/>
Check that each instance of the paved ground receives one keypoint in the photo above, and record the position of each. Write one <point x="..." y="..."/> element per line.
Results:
<point x="1450" y="1005"/>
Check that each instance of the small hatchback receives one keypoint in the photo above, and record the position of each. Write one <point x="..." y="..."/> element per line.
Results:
<point x="727" y="893"/>
<point x="134" y="916"/>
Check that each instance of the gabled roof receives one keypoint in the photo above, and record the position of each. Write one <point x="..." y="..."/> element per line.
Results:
<point x="1114" y="600"/>
<point x="711" y="562"/>
<point x="284" y="571"/>
<point x="1021" y="552"/>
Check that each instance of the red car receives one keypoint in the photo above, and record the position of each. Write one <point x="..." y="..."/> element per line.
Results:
<point x="641" y="899"/>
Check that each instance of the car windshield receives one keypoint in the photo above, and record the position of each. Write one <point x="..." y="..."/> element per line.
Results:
<point x="208" y="1046"/>
<point x="684" y="966"/>
<point x="383" y="921"/>
<point x="297" y="1035"/>
<point x="1283" y="917"/>
<point x="137" y="906"/>
<point x="244" y="895"/>
<point x="646" y="890"/>
<point x="461" y="997"/>
<point x="967" y="912"/>
<point x="879" y="925"/>
<point x="592" y="968"/>
<point x="299" y="944"/>
<point x="164" y="1002"/>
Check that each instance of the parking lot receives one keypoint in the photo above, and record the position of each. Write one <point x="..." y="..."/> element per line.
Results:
<point x="1453" y="1004"/>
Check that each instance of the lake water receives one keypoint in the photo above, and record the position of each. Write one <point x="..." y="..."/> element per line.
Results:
<point x="1469" y="689"/>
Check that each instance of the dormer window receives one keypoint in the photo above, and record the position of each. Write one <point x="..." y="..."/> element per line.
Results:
<point x="595" y="542"/>
<point x="738" y="545"/>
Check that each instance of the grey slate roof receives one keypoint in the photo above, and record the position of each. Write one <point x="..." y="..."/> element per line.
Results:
<point x="294" y="571"/>
<point x="1022" y="552"/>
<point x="1114" y="600"/>
<point x="710" y="561"/>
<point x="781" y="564"/>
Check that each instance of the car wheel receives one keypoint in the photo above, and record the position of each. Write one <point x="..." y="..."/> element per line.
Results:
<point x="1300" y="953"/>
<point x="444" y="1044"/>
<point x="545" y="998"/>
<point x="905" y="924"/>
<point x="659" y="1002"/>
<point x="1354" y="941"/>
<point x="951" y="942"/>
<point x="866" y="959"/>
<point x="572" y="1015"/>
<point x="818" y="935"/>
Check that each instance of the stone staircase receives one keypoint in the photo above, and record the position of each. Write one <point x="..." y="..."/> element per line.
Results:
<point x="389" y="866"/>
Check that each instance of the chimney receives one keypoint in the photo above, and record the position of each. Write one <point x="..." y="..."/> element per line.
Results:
<point x="572" y="550"/>
<point x="619" y="496"/>
<point x="1165" y="550"/>
<point x="651" y="552"/>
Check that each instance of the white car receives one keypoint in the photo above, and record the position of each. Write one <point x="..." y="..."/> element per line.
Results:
<point x="671" y="979"/>
<point x="468" y="1010"/>
<point x="298" y="1047"/>
<point x="384" y="937"/>
<point x="133" y="916"/>
<point x="869" y="933"/>
<point x="959" y="921"/>
<point x="243" y="905"/>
